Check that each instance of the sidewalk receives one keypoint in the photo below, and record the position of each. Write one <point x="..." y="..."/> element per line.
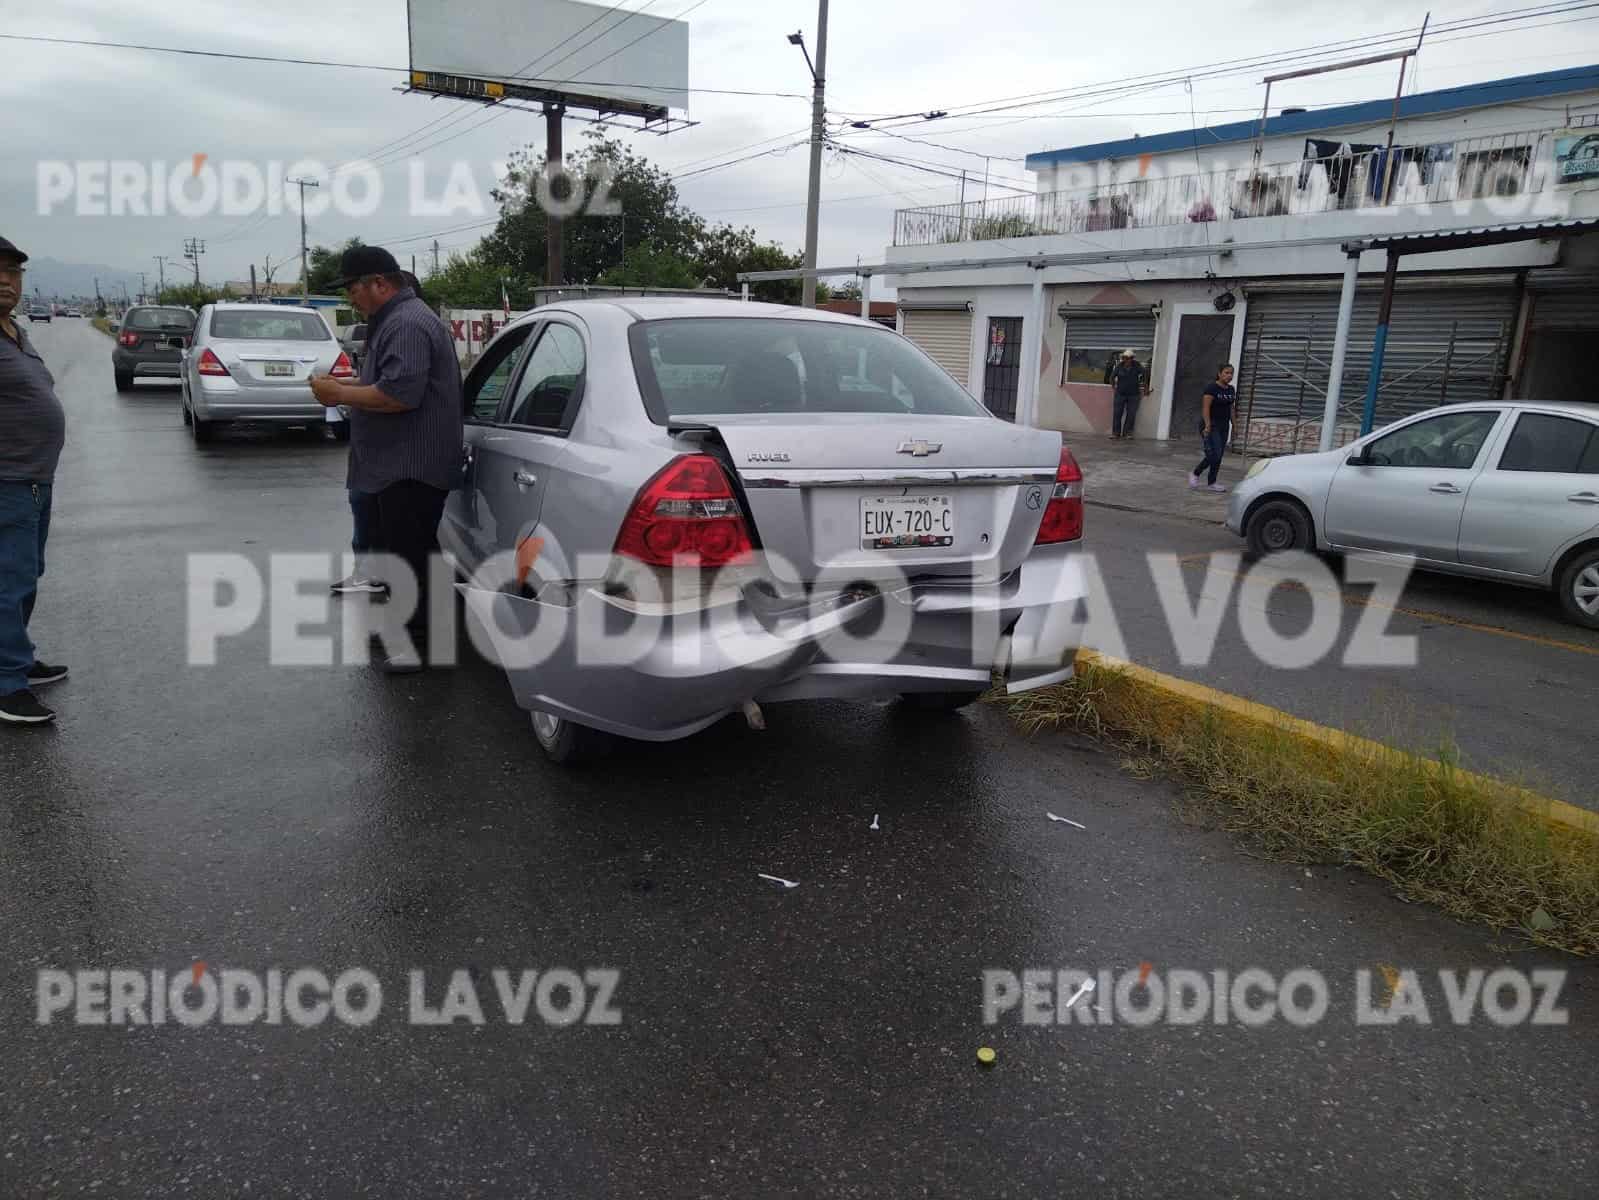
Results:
<point x="1150" y="476"/>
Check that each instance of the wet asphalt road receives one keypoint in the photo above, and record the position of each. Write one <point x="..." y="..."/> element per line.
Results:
<point x="1500" y="678"/>
<point x="802" y="1042"/>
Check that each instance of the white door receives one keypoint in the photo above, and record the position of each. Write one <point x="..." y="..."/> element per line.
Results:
<point x="1540" y="495"/>
<point x="1404" y="492"/>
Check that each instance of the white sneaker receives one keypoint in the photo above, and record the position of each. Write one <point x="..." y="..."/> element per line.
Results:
<point x="359" y="584"/>
<point x="1215" y="487"/>
<point x="1193" y="483"/>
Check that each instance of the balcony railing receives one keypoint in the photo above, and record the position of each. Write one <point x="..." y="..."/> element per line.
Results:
<point x="1500" y="165"/>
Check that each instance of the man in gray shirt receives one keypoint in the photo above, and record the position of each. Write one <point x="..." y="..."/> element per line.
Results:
<point x="405" y="420"/>
<point x="32" y="431"/>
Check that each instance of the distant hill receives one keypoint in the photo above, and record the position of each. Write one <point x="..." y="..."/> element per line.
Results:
<point x="52" y="278"/>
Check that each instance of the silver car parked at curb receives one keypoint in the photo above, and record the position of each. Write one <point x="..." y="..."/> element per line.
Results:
<point x="252" y="364"/>
<point x="1508" y="492"/>
<point x="694" y="507"/>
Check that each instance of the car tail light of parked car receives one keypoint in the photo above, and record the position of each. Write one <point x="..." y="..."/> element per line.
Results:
<point x="686" y="514"/>
<point x="1063" y="515"/>
<point x="210" y="364"/>
<point x="342" y="368"/>
<point x="128" y="339"/>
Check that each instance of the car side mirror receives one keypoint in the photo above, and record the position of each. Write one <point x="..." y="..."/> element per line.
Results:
<point x="1359" y="460"/>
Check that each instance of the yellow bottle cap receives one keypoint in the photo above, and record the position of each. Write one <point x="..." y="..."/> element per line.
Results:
<point x="986" y="1055"/>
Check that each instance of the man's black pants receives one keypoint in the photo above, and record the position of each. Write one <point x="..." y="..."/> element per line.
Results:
<point x="1123" y="413"/>
<point x="408" y="515"/>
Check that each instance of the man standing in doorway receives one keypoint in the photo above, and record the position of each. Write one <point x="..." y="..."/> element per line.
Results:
<point x="405" y="422"/>
<point x="32" y="432"/>
<point x="1215" y="427"/>
<point x="1131" y="383"/>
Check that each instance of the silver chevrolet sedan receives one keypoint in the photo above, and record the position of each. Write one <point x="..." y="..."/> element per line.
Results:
<point x="679" y="509"/>
<point x="1496" y="491"/>
<point x="251" y="364"/>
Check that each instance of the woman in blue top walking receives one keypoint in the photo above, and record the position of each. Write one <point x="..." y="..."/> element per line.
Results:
<point x="1215" y="427"/>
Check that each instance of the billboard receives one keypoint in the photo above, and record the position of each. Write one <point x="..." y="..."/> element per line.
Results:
<point x="595" y="55"/>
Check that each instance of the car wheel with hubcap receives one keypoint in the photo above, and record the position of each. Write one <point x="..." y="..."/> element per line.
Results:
<point x="1277" y="527"/>
<point x="567" y="742"/>
<point x="124" y="381"/>
<point x="201" y="431"/>
<point x="1579" y="589"/>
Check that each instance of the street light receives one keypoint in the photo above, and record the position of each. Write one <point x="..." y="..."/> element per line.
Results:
<point x="813" y="200"/>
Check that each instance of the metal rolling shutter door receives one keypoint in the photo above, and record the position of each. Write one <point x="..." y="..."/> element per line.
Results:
<point x="1445" y="344"/>
<point x="946" y="337"/>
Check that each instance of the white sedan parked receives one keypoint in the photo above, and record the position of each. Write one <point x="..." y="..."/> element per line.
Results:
<point x="1496" y="491"/>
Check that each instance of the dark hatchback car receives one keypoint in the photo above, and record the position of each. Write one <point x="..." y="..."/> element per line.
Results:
<point x="150" y="344"/>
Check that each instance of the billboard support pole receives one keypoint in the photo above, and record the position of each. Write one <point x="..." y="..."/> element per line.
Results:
<point x="553" y="267"/>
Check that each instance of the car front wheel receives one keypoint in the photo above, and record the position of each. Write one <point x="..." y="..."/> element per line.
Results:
<point x="566" y="742"/>
<point x="1277" y="527"/>
<point x="1579" y="589"/>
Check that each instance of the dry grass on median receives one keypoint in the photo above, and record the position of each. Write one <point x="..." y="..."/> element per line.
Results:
<point x="1457" y="841"/>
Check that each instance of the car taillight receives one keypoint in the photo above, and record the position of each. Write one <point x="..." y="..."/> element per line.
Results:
<point x="1063" y="515"/>
<point x="686" y="515"/>
<point x="342" y="368"/>
<point x="128" y="339"/>
<point x="210" y="364"/>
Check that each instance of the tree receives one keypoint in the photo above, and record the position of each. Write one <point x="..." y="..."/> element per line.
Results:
<point x="649" y="266"/>
<point x="724" y="251"/>
<point x="850" y="291"/>
<point x="189" y="295"/>
<point x="470" y="280"/>
<point x="325" y="266"/>
<point x="603" y="171"/>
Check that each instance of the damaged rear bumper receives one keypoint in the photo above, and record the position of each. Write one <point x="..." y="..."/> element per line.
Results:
<point x="599" y="662"/>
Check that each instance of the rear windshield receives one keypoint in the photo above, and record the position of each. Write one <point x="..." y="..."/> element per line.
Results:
<point x="270" y="326"/>
<point x="160" y="318"/>
<point x="701" y="366"/>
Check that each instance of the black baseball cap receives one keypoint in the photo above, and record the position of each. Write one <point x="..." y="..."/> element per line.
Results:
<point x="363" y="261"/>
<point x="7" y="250"/>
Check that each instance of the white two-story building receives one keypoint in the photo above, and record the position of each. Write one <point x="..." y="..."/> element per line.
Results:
<point x="1228" y="243"/>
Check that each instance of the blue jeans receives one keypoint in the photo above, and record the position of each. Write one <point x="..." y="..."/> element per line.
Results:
<point x="1124" y="413"/>
<point x="24" y="525"/>
<point x="1215" y="446"/>
<point x="364" y="508"/>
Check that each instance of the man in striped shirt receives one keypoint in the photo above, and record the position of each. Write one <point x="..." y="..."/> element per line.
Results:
<point x="405" y="421"/>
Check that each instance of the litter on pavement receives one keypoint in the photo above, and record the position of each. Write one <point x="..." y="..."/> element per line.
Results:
<point x="1088" y="986"/>
<point x="1065" y="821"/>
<point x="874" y="820"/>
<point x="788" y="883"/>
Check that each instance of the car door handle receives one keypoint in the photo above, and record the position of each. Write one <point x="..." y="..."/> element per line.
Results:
<point x="524" y="479"/>
<point x="1584" y="498"/>
<point x="1445" y="489"/>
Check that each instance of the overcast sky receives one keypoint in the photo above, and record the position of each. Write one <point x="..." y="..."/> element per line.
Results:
<point x="884" y="57"/>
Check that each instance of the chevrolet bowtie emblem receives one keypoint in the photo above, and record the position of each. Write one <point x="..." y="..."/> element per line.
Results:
<point x="920" y="448"/>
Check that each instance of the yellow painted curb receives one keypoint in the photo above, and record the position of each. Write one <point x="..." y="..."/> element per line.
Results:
<point x="1555" y="812"/>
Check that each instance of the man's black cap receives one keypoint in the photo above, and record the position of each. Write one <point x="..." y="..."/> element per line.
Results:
<point x="363" y="261"/>
<point x="7" y="250"/>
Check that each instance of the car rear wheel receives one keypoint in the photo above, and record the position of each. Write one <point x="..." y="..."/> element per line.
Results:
<point x="124" y="381"/>
<point x="1277" y="527"/>
<point x="566" y="742"/>
<point x="1579" y="589"/>
<point x="938" y="701"/>
<point x="201" y="431"/>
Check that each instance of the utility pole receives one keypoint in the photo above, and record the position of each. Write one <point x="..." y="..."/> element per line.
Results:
<point x="269" y="276"/>
<point x="161" y="265"/>
<point x="192" y="249"/>
<point x="143" y="287"/>
<point x="818" y="132"/>
<point x="252" y="282"/>
<point x="435" y="256"/>
<point x="305" y="269"/>
<point x="413" y="264"/>
<point x="554" y="268"/>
